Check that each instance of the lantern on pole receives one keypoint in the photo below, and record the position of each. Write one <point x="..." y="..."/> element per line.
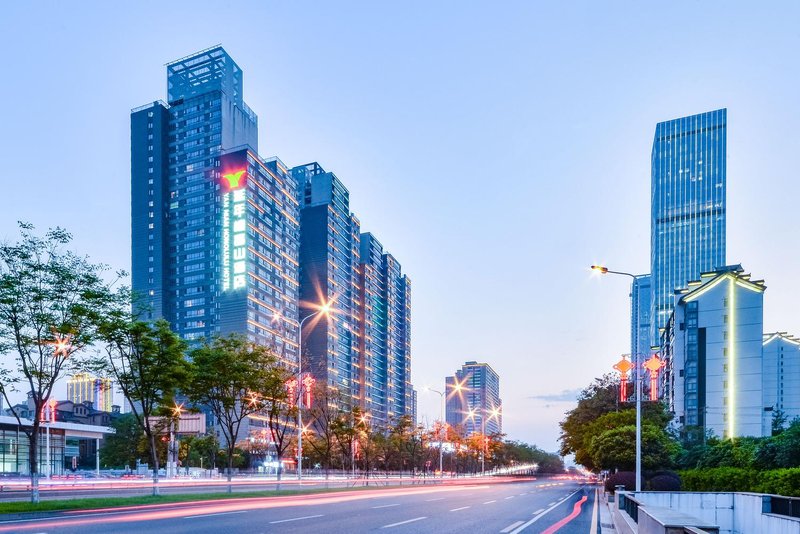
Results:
<point x="624" y="367"/>
<point x="654" y="365"/>
<point x="291" y="390"/>
<point x="308" y="384"/>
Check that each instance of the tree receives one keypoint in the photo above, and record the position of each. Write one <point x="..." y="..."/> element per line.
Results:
<point x="121" y="449"/>
<point x="597" y="399"/>
<point x="229" y="374"/>
<point x="49" y="302"/>
<point x="148" y="363"/>
<point x="325" y="413"/>
<point x="280" y="411"/>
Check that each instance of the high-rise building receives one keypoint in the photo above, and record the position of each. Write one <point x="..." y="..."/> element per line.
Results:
<point x="363" y="349"/>
<point x="712" y="349"/>
<point x="328" y="259"/>
<point x="640" y="316"/>
<point x="473" y="399"/>
<point x="781" y="378"/>
<point x="225" y="241"/>
<point x="215" y="228"/>
<point x="84" y="387"/>
<point x="687" y="229"/>
<point x="384" y="356"/>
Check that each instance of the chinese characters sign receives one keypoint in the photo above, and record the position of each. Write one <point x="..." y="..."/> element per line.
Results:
<point x="234" y="231"/>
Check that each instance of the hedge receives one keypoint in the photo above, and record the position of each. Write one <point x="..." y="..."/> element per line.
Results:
<point x="776" y="481"/>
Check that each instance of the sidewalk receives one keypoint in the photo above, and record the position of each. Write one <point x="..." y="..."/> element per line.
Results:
<point x="606" y="523"/>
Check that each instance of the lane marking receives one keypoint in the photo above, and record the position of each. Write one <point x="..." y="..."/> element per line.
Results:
<point x="294" y="519"/>
<point x="215" y="514"/>
<point x="385" y="506"/>
<point x="490" y="502"/>
<point x="511" y="527"/>
<point x="457" y="509"/>
<point x="551" y="504"/>
<point x="437" y="499"/>
<point x="405" y="522"/>
<point x="576" y="511"/>
<point x="539" y="511"/>
<point x="595" y="512"/>
<point x="540" y="515"/>
<point x="510" y="497"/>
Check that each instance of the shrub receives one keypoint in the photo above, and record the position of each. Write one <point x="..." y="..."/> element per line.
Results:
<point x="625" y="478"/>
<point x="665" y="482"/>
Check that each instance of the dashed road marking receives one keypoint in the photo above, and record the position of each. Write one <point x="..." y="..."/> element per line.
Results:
<point x="214" y="514"/>
<point x="294" y="519"/>
<point x="385" y="506"/>
<point x="405" y="522"/>
<point x="490" y="502"/>
<point x="511" y="527"/>
<point x="457" y="509"/>
<point x="436" y="499"/>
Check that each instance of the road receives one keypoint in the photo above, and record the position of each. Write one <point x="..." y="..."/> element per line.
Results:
<point x="507" y="508"/>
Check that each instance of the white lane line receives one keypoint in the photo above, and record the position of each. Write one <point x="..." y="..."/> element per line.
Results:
<point x="436" y="499"/>
<point x="539" y="511"/>
<point x="540" y="515"/>
<point x="551" y="504"/>
<point x="457" y="509"/>
<point x="405" y="522"/>
<point x="294" y="519"/>
<point x="490" y="502"/>
<point x="511" y="527"/>
<point x="213" y="515"/>
<point x="595" y="511"/>
<point x="510" y="497"/>
<point x="385" y="506"/>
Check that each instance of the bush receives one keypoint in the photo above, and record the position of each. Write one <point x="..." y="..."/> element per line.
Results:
<point x="665" y="482"/>
<point x="624" y="478"/>
<point x="780" y="482"/>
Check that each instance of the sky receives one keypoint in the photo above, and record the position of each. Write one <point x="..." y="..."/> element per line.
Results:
<point x="497" y="150"/>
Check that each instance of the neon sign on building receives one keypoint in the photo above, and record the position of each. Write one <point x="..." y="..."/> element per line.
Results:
<point x="234" y="231"/>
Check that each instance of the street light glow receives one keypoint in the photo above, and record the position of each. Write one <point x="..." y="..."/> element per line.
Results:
<point x="600" y="269"/>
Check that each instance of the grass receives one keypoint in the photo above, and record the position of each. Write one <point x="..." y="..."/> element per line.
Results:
<point x="111" y="502"/>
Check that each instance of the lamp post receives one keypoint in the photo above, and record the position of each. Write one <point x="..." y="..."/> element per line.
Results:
<point x="637" y="365"/>
<point x="324" y="309"/>
<point x="441" y="427"/>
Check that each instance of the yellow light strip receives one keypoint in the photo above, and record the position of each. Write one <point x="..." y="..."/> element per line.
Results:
<point x="732" y="360"/>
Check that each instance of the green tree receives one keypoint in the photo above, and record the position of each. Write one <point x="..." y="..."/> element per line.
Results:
<point x="121" y="448"/>
<point x="148" y="363"/>
<point x="280" y="411"/>
<point x="615" y="448"/>
<point x="229" y="375"/>
<point x="49" y="302"/>
<point x="597" y="399"/>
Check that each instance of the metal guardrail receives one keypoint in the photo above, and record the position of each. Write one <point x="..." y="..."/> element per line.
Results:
<point x="780" y="505"/>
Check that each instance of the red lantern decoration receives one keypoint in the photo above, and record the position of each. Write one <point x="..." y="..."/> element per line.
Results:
<point x="654" y="365"/>
<point x="623" y="366"/>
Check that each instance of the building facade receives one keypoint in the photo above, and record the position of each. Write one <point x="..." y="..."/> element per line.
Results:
<point x="225" y="241"/>
<point x="215" y="228"/>
<point x="84" y="387"/>
<point x="781" y="378"/>
<point x="473" y="399"/>
<point x="640" y="316"/>
<point x="712" y="349"/>
<point x="688" y="191"/>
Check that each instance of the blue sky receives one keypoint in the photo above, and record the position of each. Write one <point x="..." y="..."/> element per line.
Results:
<point x="497" y="150"/>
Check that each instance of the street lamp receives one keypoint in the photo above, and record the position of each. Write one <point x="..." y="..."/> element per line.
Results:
<point x="606" y="270"/>
<point x="172" y="462"/>
<point x="325" y="310"/>
<point x="441" y="427"/>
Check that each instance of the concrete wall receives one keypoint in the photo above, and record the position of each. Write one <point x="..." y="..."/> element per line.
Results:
<point x="735" y="513"/>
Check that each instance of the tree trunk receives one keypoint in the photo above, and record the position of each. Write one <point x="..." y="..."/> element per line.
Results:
<point x="154" y="458"/>
<point x="230" y="468"/>
<point x="33" y="441"/>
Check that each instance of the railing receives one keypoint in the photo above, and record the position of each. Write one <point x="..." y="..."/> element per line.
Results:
<point x="779" y="505"/>
<point x="629" y="505"/>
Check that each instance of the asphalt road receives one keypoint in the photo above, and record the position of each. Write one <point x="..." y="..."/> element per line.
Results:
<point x="507" y="508"/>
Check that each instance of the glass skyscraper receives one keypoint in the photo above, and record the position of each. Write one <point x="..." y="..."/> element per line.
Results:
<point x="687" y="229"/>
<point x="473" y="404"/>
<point x="225" y="241"/>
<point x="640" y="316"/>
<point x="215" y="228"/>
